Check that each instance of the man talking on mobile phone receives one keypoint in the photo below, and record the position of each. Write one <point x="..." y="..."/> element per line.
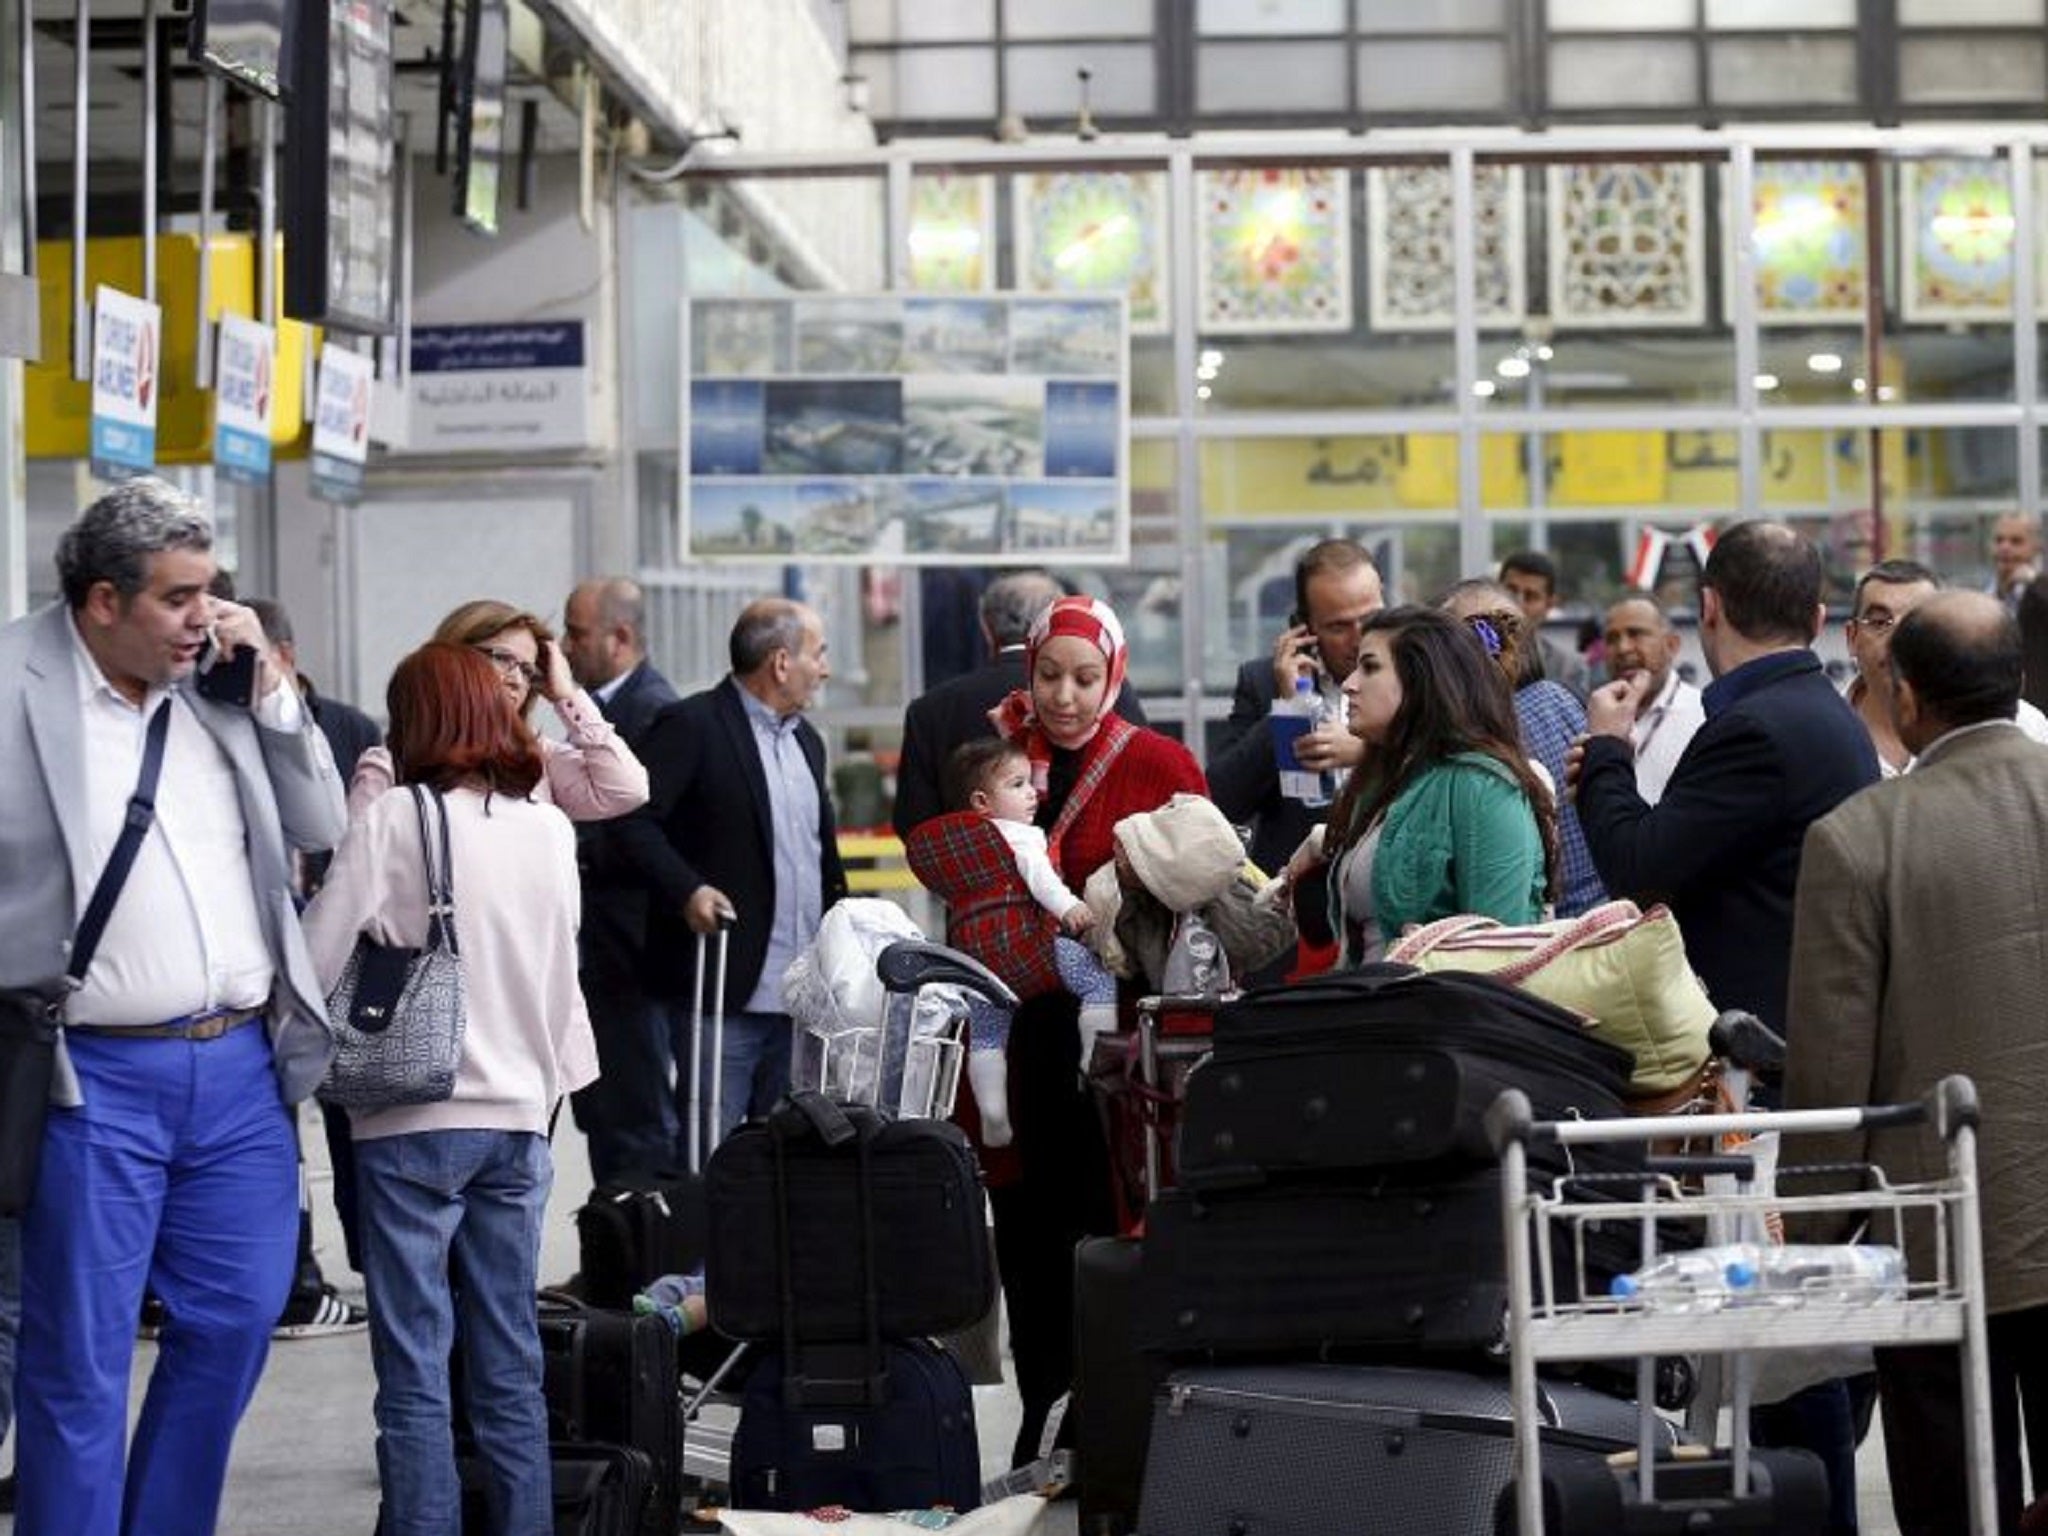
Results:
<point x="168" y="1157"/>
<point x="1336" y="589"/>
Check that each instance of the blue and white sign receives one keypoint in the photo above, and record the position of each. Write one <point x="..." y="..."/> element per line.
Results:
<point x="244" y="367"/>
<point x="341" y="422"/>
<point x="126" y="343"/>
<point x="498" y="388"/>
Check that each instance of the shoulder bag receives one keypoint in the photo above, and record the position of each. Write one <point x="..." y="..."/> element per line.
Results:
<point x="398" y="1012"/>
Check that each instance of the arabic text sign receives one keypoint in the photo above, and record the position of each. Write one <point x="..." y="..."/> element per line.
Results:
<point x="493" y="388"/>
<point x="126" y="343"/>
<point x="244" y="370"/>
<point x="341" y="422"/>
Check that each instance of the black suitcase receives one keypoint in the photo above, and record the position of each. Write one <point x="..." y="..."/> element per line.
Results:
<point x="610" y="1378"/>
<point x="1114" y="1384"/>
<point x="914" y="1448"/>
<point x="636" y="1230"/>
<point x="1692" y="1492"/>
<point x="1312" y="1450"/>
<point x="1387" y="1066"/>
<point x="910" y="1185"/>
<point x="1382" y="1262"/>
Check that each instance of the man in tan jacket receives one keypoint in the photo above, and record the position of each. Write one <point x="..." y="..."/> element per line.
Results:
<point x="1918" y="951"/>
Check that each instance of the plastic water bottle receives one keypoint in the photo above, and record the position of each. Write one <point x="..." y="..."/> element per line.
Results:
<point x="1290" y="721"/>
<point x="1753" y="1274"/>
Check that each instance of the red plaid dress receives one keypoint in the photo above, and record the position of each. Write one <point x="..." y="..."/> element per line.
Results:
<point x="990" y="914"/>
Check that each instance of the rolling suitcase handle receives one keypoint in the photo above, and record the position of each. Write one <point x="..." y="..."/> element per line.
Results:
<point x="703" y="1139"/>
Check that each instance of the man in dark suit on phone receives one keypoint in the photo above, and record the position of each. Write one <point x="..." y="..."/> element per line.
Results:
<point x="628" y="1114"/>
<point x="1336" y="589"/>
<point x="941" y="718"/>
<point x="738" y="829"/>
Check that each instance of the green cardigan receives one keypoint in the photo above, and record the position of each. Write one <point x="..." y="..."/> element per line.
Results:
<point x="1462" y="837"/>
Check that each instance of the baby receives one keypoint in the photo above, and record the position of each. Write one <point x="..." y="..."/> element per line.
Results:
<point x="991" y="777"/>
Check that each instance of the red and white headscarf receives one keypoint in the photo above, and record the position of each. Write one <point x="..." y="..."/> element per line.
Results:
<point x="1083" y="618"/>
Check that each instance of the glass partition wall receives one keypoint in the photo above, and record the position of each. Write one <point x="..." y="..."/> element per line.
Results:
<point x="1599" y="344"/>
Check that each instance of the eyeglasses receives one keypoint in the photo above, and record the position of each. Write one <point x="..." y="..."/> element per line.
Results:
<point x="1876" y="623"/>
<point x="511" y="665"/>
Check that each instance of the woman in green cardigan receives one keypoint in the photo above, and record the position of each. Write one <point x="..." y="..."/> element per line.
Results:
<point x="1445" y="815"/>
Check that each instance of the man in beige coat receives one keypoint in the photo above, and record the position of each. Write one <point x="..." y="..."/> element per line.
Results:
<point x="1919" y="949"/>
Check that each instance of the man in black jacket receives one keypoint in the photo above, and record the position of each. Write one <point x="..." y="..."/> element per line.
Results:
<point x="739" y="829"/>
<point x="941" y="718"/>
<point x="628" y="1114"/>
<point x="1779" y="750"/>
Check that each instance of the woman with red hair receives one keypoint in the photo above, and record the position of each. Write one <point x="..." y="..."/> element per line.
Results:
<point x="452" y="1193"/>
<point x="1091" y="768"/>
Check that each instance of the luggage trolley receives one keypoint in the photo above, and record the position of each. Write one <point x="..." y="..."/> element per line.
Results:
<point x="1944" y="1307"/>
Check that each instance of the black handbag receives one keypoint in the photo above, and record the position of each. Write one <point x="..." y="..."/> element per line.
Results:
<point x="31" y="1017"/>
<point x="398" y="1011"/>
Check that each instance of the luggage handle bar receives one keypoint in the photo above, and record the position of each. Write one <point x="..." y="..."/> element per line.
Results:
<point x="1950" y="1107"/>
<point x="700" y="1144"/>
<point x="1679" y="1165"/>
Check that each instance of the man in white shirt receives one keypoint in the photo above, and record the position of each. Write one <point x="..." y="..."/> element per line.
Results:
<point x="168" y="1157"/>
<point x="1885" y="594"/>
<point x="1640" y="639"/>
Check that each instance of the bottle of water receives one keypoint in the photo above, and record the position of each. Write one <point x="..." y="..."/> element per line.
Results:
<point x="1753" y="1274"/>
<point x="1290" y="721"/>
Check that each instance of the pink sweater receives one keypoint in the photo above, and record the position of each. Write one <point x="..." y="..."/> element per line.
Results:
<point x="527" y="1041"/>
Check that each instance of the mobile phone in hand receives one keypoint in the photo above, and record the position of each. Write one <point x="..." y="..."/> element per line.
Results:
<point x="230" y="678"/>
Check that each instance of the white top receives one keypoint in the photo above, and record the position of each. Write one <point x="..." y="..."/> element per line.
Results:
<point x="1661" y="733"/>
<point x="527" y="1041"/>
<point x="1034" y="863"/>
<point x="185" y="934"/>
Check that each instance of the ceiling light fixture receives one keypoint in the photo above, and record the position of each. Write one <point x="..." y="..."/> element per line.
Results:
<point x="1824" y="362"/>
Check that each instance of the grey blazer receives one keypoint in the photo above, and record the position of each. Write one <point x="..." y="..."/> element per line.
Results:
<point x="291" y="798"/>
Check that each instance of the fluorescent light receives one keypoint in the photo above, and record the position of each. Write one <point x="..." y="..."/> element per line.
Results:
<point x="1886" y="392"/>
<point x="1825" y="362"/>
<point x="1544" y="353"/>
<point x="1210" y="358"/>
<point x="1484" y="389"/>
<point x="1766" y="382"/>
<point x="1202" y="393"/>
<point x="1512" y="367"/>
<point x="1858" y="385"/>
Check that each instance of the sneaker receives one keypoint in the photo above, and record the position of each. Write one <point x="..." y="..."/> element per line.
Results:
<point x="325" y="1314"/>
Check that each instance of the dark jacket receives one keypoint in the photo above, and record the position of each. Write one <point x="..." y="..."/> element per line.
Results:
<point x="1244" y="778"/>
<point x="941" y="718"/>
<point x="614" y="892"/>
<point x="1722" y="846"/>
<point x="707" y="821"/>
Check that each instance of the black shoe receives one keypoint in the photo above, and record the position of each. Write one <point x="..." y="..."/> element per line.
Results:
<point x="7" y="1494"/>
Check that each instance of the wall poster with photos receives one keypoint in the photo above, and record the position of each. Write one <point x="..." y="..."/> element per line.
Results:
<point x="907" y="429"/>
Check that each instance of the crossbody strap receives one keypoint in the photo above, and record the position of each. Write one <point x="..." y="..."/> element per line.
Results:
<point x="135" y="827"/>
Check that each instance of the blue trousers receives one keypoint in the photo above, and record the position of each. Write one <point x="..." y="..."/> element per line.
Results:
<point x="10" y="1315"/>
<point x="451" y="1228"/>
<point x="755" y="1069"/>
<point x="179" y="1172"/>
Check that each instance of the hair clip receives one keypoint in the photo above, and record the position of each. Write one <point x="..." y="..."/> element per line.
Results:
<point x="1488" y="633"/>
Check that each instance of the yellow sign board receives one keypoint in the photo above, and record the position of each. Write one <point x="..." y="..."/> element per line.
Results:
<point x="57" y="411"/>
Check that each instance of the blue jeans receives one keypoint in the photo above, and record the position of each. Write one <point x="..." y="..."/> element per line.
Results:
<point x="451" y="1230"/>
<point x="755" y="1067"/>
<point x="179" y="1172"/>
<point x="10" y="1315"/>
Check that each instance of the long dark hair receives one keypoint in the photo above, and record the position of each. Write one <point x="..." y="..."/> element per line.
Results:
<point x="451" y="724"/>
<point x="1454" y="698"/>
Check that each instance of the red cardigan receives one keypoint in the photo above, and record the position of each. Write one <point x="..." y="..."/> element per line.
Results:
<point x="1151" y="771"/>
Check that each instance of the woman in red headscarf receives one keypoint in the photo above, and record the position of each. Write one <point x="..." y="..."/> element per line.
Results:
<point x="1092" y="768"/>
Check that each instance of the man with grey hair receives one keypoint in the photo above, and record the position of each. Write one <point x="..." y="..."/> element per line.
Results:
<point x="627" y="1114"/>
<point x="938" y="720"/>
<point x="168" y="1158"/>
<point x="738" y="830"/>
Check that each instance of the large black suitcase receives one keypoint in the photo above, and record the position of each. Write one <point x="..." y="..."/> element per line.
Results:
<point x="851" y="1184"/>
<point x="1114" y="1384"/>
<point x="913" y="1448"/>
<point x="1311" y="1450"/>
<point x="610" y="1378"/>
<point x="1692" y="1492"/>
<point x="637" y="1229"/>
<point x="1385" y="1066"/>
<point x="1380" y="1262"/>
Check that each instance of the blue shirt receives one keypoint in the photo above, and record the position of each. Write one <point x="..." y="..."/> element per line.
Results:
<point x="793" y="819"/>
<point x="1551" y="721"/>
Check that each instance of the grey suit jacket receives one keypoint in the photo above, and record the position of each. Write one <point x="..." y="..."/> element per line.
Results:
<point x="290" y="795"/>
<point x="1919" y="950"/>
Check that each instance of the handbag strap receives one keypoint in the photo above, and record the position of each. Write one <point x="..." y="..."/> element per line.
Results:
<point x="1613" y="917"/>
<point x="441" y="875"/>
<point x="141" y="813"/>
<point x="1418" y="942"/>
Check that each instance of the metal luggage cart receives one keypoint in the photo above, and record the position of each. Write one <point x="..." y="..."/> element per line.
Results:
<point x="1173" y="1034"/>
<point x="1942" y="1307"/>
<point x="905" y="1065"/>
